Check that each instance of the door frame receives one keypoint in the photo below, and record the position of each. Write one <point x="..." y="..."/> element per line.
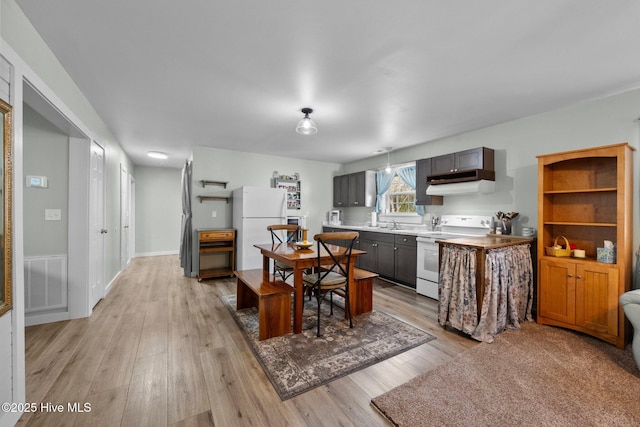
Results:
<point x="125" y="217"/>
<point x="78" y="205"/>
<point x="97" y="267"/>
<point x="132" y="216"/>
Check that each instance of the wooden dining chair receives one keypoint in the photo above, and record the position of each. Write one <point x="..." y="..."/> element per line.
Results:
<point x="283" y="233"/>
<point x="332" y="276"/>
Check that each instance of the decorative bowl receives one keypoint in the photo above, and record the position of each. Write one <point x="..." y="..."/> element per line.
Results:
<point x="303" y="245"/>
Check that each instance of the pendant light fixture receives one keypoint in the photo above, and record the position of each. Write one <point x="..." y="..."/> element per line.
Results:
<point x="306" y="126"/>
<point x="388" y="168"/>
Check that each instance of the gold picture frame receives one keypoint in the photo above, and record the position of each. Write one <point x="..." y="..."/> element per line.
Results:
<point x="6" y="187"/>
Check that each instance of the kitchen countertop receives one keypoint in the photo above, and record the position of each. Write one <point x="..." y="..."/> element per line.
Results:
<point x="499" y="240"/>
<point x="490" y="241"/>
<point x="410" y="230"/>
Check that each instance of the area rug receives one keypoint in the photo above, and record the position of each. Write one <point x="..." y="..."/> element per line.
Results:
<point x="296" y="363"/>
<point x="540" y="375"/>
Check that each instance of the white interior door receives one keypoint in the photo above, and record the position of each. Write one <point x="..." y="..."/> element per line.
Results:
<point x="97" y="226"/>
<point x="132" y="217"/>
<point x="124" y="218"/>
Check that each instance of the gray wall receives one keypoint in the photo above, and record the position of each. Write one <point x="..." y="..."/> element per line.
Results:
<point x="158" y="210"/>
<point x="158" y="194"/>
<point x="46" y="153"/>
<point x="240" y="169"/>
<point x="517" y="143"/>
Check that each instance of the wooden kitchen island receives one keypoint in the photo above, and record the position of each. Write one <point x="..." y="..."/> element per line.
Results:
<point x="501" y="294"/>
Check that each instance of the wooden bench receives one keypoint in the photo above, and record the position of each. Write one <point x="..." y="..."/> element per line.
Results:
<point x="273" y="300"/>
<point x="361" y="293"/>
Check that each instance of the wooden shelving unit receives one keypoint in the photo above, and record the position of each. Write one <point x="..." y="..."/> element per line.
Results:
<point x="586" y="196"/>
<point x="292" y="185"/>
<point x="216" y="242"/>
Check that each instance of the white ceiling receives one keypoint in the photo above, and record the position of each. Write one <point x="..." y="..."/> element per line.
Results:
<point x="168" y="75"/>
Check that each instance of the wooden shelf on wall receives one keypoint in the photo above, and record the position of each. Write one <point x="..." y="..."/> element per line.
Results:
<point x="205" y="182"/>
<point x="202" y="198"/>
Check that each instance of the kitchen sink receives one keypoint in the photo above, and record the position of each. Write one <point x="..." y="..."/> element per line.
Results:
<point x="385" y="228"/>
<point x="403" y="227"/>
<point x="410" y="229"/>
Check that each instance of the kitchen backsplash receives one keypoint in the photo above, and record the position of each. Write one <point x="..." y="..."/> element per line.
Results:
<point x="361" y="216"/>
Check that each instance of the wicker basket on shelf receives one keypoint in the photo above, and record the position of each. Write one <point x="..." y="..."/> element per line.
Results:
<point x="553" y="251"/>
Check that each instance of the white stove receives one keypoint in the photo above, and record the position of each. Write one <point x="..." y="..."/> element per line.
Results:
<point x="451" y="227"/>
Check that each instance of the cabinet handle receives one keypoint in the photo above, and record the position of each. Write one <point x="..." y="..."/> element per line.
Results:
<point x="355" y="203"/>
<point x="374" y="245"/>
<point x="569" y="275"/>
<point x="578" y="277"/>
<point x="395" y="249"/>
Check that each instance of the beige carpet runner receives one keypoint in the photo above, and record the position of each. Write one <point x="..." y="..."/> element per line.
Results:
<point x="540" y="376"/>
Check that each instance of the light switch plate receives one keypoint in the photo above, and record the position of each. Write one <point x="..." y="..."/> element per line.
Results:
<point x="52" y="214"/>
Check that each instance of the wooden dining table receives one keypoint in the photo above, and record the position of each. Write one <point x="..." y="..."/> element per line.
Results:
<point x="300" y="260"/>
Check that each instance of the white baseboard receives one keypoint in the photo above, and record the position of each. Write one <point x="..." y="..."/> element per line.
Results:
<point x="107" y="288"/>
<point x="143" y="254"/>
<point x="39" y="319"/>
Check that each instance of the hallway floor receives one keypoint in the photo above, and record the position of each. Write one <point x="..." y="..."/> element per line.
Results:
<point x="162" y="350"/>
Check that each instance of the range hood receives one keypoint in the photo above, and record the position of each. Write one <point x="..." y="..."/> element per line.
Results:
<point x="470" y="187"/>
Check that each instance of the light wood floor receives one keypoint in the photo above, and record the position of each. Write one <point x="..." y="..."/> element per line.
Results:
<point x="162" y="350"/>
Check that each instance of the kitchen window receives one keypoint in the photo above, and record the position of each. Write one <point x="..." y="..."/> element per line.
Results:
<point x="396" y="192"/>
<point x="400" y="197"/>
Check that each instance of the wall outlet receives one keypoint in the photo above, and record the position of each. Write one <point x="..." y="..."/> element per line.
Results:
<point x="214" y="214"/>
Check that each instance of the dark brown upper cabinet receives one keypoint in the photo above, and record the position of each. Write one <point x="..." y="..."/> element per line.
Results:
<point x="423" y="170"/>
<point x="475" y="158"/>
<point x="354" y="190"/>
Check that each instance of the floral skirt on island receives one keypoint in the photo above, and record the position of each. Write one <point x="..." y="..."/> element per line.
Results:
<point x="508" y="295"/>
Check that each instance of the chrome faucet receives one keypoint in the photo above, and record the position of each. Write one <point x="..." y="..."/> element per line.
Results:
<point x="434" y="222"/>
<point x="395" y="224"/>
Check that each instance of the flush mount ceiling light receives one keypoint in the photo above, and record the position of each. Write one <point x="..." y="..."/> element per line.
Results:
<point x="157" y="155"/>
<point x="306" y="126"/>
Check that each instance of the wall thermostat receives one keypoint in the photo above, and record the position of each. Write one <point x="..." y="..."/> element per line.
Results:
<point x="37" y="181"/>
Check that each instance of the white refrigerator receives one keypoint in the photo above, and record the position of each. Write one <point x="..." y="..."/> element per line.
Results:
<point x="254" y="208"/>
